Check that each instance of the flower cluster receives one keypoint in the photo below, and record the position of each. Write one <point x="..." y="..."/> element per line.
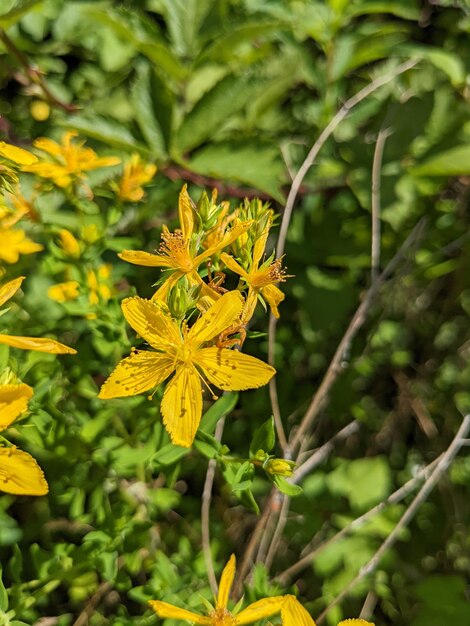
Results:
<point x="209" y="241"/>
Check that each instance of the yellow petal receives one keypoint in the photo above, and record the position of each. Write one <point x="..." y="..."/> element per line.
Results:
<point x="13" y="401"/>
<point x="260" y="610"/>
<point x="185" y="212"/>
<point x="48" y="145"/>
<point x="260" y="243"/>
<point x="355" y="622"/>
<point x="225" y="312"/>
<point x="20" y="474"/>
<point x="148" y="320"/>
<point x="164" y="610"/>
<point x="231" y="370"/>
<point x="40" y="344"/>
<point x="135" y="374"/>
<point x="182" y="406"/>
<point x="294" y="614"/>
<point x="225" y="241"/>
<point x="18" y="155"/>
<point x="273" y="296"/>
<point x="139" y="257"/>
<point x="226" y="581"/>
<point x="9" y="289"/>
<point x="233" y="265"/>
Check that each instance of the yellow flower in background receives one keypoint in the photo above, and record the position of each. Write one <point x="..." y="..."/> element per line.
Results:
<point x="184" y="353"/>
<point x="98" y="283"/>
<point x="14" y="243"/>
<point x="67" y="161"/>
<point x="261" y="279"/>
<point x="17" y="155"/>
<point x="136" y="173"/>
<point x="19" y="472"/>
<point x="294" y="614"/>
<point x="69" y="243"/>
<point x="220" y="615"/>
<point x="40" y="344"/>
<point x="64" y="292"/>
<point x="178" y="251"/>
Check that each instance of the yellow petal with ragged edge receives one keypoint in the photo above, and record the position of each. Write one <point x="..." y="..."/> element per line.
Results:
<point x="20" y="474"/>
<point x="225" y="312"/>
<point x="233" y="265"/>
<point x="18" y="155"/>
<point x="181" y="406"/>
<point x="231" y="370"/>
<point x="273" y="296"/>
<point x="225" y="584"/>
<point x="139" y="257"/>
<point x="294" y="614"/>
<point x="135" y="374"/>
<point x="39" y="344"/>
<point x="49" y="145"/>
<point x="9" y="289"/>
<point x="164" y="610"/>
<point x="13" y="401"/>
<point x="185" y="213"/>
<point x="355" y="622"/>
<point x="226" y="240"/>
<point x="148" y="321"/>
<point x="260" y="610"/>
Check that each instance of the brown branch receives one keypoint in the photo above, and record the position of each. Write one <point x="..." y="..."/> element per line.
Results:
<point x="441" y="467"/>
<point x="92" y="604"/>
<point x="34" y="75"/>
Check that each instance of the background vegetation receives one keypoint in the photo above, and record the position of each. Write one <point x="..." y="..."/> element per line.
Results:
<point x="232" y="95"/>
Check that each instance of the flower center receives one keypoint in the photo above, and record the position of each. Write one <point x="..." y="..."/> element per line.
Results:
<point x="175" y="246"/>
<point x="222" y="617"/>
<point x="271" y="275"/>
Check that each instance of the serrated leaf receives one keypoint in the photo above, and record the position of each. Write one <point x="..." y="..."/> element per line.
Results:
<point x="108" y="132"/>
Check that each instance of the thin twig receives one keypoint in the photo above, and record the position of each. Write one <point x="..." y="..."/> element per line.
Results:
<point x="441" y="467"/>
<point x="291" y="198"/>
<point x="369" y="605"/>
<point x="33" y="75"/>
<point x="323" y="452"/>
<point x="375" y="202"/>
<point x="355" y="324"/>
<point x="277" y="535"/>
<point x="92" y="604"/>
<point x="397" y="496"/>
<point x="205" y="512"/>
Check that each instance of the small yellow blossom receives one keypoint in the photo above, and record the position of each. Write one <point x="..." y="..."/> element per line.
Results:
<point x="39" y="110"/>
<point x="261" y="279"/>
<point x="40" y="344"/>
<point x="99" y="284"/>
<point x="220" y="615"/>
<point x="67" y="161"/>
<point x="136" y="173"/>
<point x="17" y="155"/>
<point x="294" y="614"/>
<point x="185" y="353"/>
<point x="19" y="472"/>
<point x="14" y="243"/>
<point x="90" y="233"/>
<point x="64" y="292"/>
<point x="69" y="243"/>
<point x="178" y="251"/>
<point x="279" y="467"/>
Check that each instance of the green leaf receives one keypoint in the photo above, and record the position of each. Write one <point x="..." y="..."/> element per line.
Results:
<point x="256" y="165"/>
<point x="11" y="11"/>
<point x="407" y="9"/>
<point x="184" y="19"/>
<point x="169" y="454"/>
<point x="448" y="62"/>
<point x="109" y="132"/>
<point x="153" y="104"/>
<point x="286" y="487"/>
<point x="264" y="437"/>
<point x="216" y="107"/>
<point x="453" y="162"/>
<point x="364" y="482"/>
<point x="223" y="406"/>
<point x="3" y="594"/>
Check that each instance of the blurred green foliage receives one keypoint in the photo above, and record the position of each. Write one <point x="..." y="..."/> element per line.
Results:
<point x="233" y="94"/>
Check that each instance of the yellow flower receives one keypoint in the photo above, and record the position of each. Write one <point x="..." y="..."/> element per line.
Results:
<point x="19" y="472"/>
<point x="69" y="243"/>
<point x="184" y="353"/>
<point x="261" y="280"/>
<point x="64" y="292"/>
<point x="69" y="160"/>
<point x="17" y="155"/>
<point x="294" y="614"/>
<point x="177" y="251"/>
<point x="136" y="173"/>
<point x="14" y="243"/>
<point x="220" y="615"/>
<point x="98" y="284"/>
<point x="40" y="344"/>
